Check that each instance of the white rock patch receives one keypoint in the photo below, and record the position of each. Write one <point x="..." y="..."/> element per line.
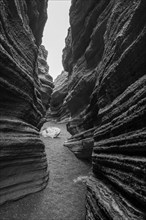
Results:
<point x="52" y="132"/>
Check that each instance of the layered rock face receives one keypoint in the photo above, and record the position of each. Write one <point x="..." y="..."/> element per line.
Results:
<point x="67" y="53"/>
<point x="23" y="165"/>
<point x="44" y="76"/>
<point x="58" y="108"/>
<point x="107" y="101"/>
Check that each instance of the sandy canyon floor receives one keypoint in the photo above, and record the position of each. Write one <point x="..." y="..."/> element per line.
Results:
<point x="64" y="197"/>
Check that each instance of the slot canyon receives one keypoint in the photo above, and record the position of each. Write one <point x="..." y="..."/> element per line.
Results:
<point x="96" y="168"/>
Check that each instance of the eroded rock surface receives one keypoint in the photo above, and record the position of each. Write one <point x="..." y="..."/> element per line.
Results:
<point x="44" y="76"/>
<point x="58" y="108"/>
<point x="107" y="102"/>
<point x="23" y="165"/>
<point x="67" y="57"/>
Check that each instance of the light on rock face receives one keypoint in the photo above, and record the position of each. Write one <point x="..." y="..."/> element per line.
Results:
<point x="52" y="132"/>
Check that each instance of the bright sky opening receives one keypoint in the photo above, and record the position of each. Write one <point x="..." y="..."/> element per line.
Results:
<point x="55" y="33"/>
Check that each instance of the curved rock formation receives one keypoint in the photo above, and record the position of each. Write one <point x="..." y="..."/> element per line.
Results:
<point x="45" y="79"/>
<point x="23" y="165"/>
<point x="58" y="108"/>
<point x="107" y="101"/>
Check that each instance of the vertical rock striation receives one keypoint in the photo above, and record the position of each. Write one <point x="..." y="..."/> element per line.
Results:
<point x="107" y="101"/>
<point x="23" y="165"/>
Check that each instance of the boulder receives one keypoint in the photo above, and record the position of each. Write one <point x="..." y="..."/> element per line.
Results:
<point x="52" y="132"/>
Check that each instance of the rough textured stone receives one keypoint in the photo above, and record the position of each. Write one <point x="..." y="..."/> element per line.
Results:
<point x="23" y="165"/>
<point x="58" y="108"/>
<point x="67" y="53"/>
<point x="45" y="79"/>
<point x="107" y="101"/>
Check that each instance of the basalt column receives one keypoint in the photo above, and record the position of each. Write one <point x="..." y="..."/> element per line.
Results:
<point x="23" y="165"/>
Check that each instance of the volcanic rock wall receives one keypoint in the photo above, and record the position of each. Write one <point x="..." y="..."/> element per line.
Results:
<point x="106" y="60"/>
<point x="45" y="79"/>
<point x="58" y="108"/>
<point x="23" y="165"/>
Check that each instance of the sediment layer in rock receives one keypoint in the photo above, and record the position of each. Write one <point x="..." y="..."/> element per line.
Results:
<point x="107" y="84"/>
<point x="23" y="165"/>
<point x="45" y="78"/>
<point x="58" y="108"/>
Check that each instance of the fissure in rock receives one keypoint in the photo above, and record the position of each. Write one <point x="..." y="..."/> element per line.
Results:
<point x="100" y="95"/>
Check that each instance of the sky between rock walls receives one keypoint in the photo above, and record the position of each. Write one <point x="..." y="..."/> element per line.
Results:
<point x="55" y="33"/>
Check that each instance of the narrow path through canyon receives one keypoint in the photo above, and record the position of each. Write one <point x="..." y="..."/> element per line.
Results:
<point x="64" y="198"/>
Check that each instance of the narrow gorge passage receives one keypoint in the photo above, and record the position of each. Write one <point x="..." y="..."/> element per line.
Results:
<point x="63" y="199"/>
<point x="100" y="93"/>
